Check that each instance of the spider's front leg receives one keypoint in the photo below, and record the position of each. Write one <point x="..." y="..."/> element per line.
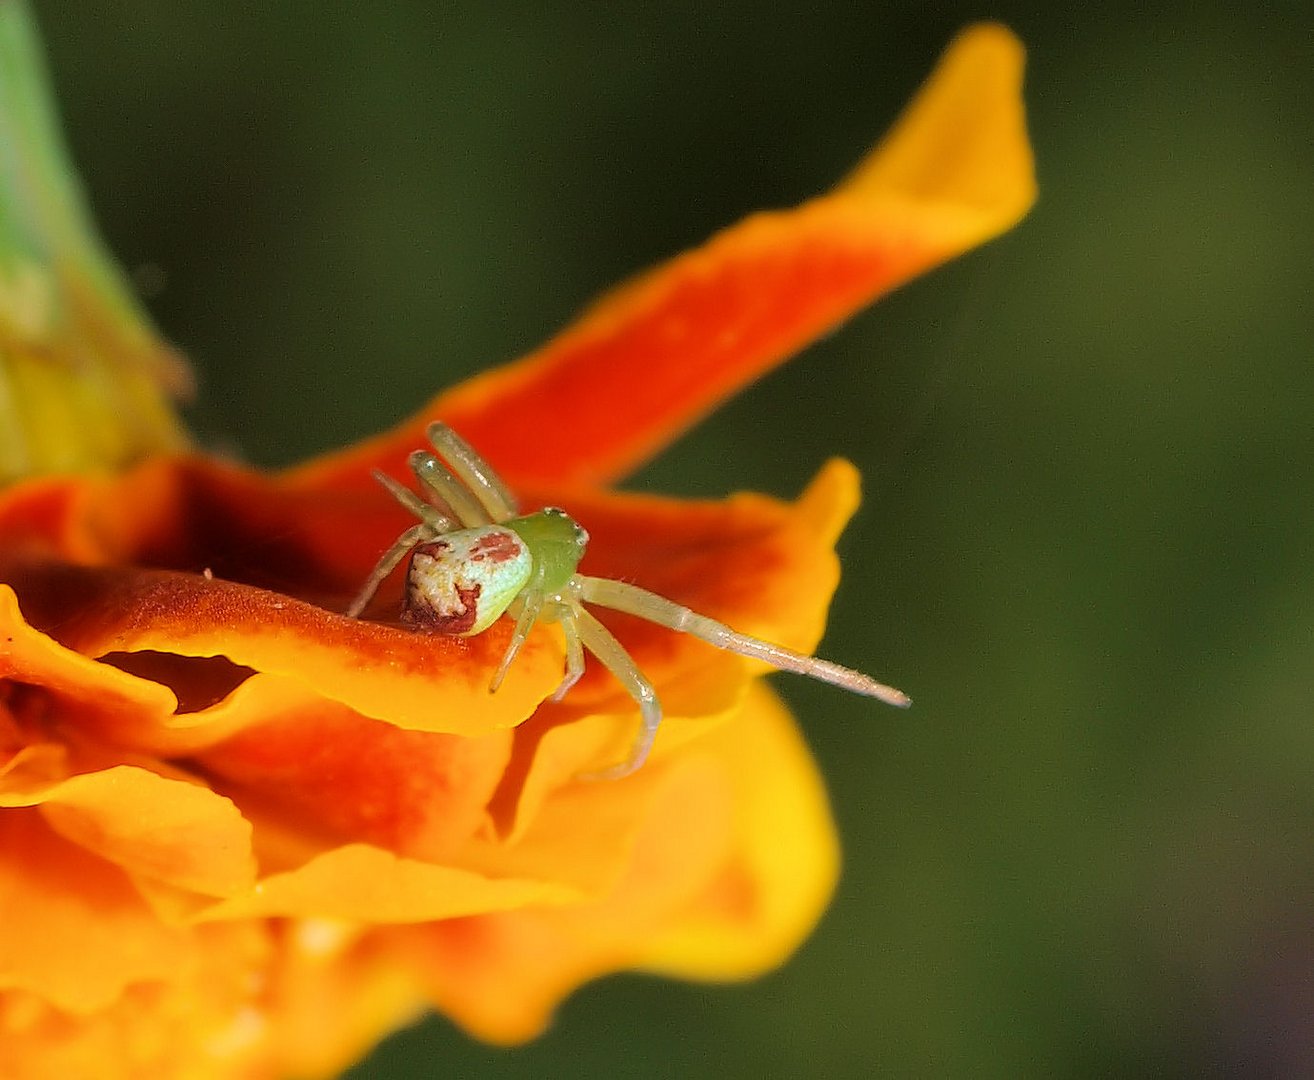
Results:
<point x="457" y="478"/>
<point x="416" y="534"/>
<point x="447" y="490"/>
<point x="474" y="473"/>
<point x="433" y="523"/>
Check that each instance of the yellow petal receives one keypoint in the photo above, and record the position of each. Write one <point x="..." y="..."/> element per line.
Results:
<point x="173" y="832"/>
<point x="365" y="883"/>
<point x="767" y="899"/>
<point x="75" y="932"/>
<point x="960" y="149"/>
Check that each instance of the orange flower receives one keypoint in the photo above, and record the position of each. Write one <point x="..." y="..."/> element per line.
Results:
<point x="246" y="836"/>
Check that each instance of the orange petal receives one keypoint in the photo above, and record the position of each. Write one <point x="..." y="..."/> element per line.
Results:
<point x="169" y="831"/>
<point x="75" y="932"/>
<point x="585" y="834"/>
<point x="204" y="1020"/>
<point x="651" y="358"/>
<point x="700" y="864"/>
<point x="341" y="775"/>
<point x="98" y="694"/>
<point x="500" y="975"/>
<point x="329" y="996"/>
<point x="586" y="734"/>
<point x="421" y="681"/>
<point x="199" y="515"/>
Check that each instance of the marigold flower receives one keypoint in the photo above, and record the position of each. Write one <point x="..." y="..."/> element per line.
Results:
<point x="245" y="836"/>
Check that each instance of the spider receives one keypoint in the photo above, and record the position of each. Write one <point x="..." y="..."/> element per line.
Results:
<point x="474" y="556"/>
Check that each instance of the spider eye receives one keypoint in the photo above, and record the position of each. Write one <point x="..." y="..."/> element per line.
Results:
<point x="578" y="533"/>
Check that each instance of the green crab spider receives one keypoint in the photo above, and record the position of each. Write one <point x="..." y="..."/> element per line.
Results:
<point x="474" y="556"/>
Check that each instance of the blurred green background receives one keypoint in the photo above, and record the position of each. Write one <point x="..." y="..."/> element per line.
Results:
<point x="1086" y="544"/>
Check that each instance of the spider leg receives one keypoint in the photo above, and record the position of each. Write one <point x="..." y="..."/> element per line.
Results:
<point x="531" y="606"/>
<point x="432" y="516"/>
<point x="623" y="596"/>
<point x="474" y="472"/>
<point x="437" y="478"/>
<point x="599" y="641"/>
<point x="412" y="536"/>
<point x="574" y="653"/>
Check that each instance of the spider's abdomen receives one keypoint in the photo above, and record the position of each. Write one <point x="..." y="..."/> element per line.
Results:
<point x="462" y="581"/>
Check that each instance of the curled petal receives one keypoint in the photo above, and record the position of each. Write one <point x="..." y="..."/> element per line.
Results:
<point x="97" y="693"/>
<point x="426" y="682"/>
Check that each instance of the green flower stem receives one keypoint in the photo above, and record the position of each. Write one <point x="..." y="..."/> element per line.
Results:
<point x="85" y="381"/>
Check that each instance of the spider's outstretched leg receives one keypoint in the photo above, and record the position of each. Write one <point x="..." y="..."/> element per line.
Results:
<point x="474" y="472"/>
<point x="600" y="642"/>
<point x="631" y="599"/>
<point x="412" y="536"/>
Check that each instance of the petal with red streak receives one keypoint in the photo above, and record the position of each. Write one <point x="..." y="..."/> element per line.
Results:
<point x="332" y="773"/>
<point x="415" y="680"/>
<point x="654" y="356"/>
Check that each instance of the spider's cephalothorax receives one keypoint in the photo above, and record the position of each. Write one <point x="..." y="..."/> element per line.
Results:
<point x="475" y="557"/>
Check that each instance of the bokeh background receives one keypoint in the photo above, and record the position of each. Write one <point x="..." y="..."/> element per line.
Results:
<point x="1086" y="546"/>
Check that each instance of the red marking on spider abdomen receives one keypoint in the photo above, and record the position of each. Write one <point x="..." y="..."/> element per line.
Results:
<point x="498" y="547"/>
